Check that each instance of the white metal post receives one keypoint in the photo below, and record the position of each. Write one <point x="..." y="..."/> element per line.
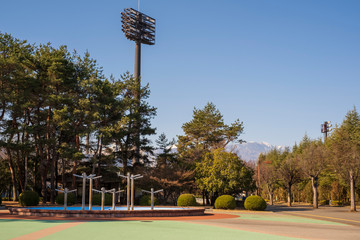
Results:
<point x="83" y="192"/>
<point x="152" y="198"/>
<point x="83" y="176"/>
<point x="65" y="198"/>
<point x="65" y="191"/>
<point x="91" y="177"/>
<point x="132" y="192"/>
<point x="128" y="192"/>
<point x="102" y="198"/>
<point x="90" y="193"/>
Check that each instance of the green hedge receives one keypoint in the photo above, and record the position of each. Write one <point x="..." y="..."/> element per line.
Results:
<point x="225" y="202"/>
<point x="255" y="203"/>
<point x="97" y="199"/>
<point x="71" y="199"/>
<point x="186" y="200"/>
<point x="29" y="198"/>
<point x="145" y="200"/>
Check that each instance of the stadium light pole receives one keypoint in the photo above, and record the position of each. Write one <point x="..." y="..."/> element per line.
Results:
<point x="140" y="28"/>
<point x="325" y="128"/>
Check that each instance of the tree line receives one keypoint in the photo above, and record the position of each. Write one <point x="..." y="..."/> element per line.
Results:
<point x="56" y="109"/>
<point x="60" y="115"/>
<point x="316" y="169"/>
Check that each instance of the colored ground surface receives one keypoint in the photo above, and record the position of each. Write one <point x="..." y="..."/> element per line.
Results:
<point x="282" y="218"/>
<point x="11" y="228"/>
<point x="227" y="225"/>
<point x="160" y="230"/>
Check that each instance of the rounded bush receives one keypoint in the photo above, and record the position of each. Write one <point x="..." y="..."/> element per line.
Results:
<point x="225" y="202"/>
<point x="96" y="200"/>
<point x="255" y="203"/>
<point x="71" y="199"/>
<point x="145" y="200"/>
<point x="186" y="200"/>
<point x="29" y="198"/>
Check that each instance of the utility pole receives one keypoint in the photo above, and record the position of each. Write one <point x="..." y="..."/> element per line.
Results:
<point x="325" y="128"/>
<point x="139" y="28"/>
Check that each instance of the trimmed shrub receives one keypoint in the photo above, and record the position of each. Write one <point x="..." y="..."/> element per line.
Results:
<point x="225" y="202"/>
<point x="96" y="200"/>
<point x="186" y="200"/>
<point x="29" y="198"/>
<point x="71" y="199"/>
<point x="145" y="200"/>
<point x="255" y="203"/>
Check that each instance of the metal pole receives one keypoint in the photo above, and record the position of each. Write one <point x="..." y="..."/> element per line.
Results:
<point x="132" y="192"/>
<point x="128" y="192"/>
<point x="137" y="69"/>
<point x="113" y="200"/>
<point x="90" y="193"/>
<point x="137" y="66"/>
<point x="65" y="198"/>
<point x="152" y="198"/>
<point x="137" y="73"/>
<point x="102" y="198"/>
<point x="83" y="192"/>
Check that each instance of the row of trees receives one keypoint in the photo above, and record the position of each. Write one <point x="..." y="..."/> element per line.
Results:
<point x="326" y="165"/>
<point x="59" y="116"/>
<point x="57" y="108"/>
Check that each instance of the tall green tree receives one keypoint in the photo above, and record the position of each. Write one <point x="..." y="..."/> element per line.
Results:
<point x="313" y="161"/>
<point x="289" y="174"/>
<point x="221" y="172"/>
<point x="205" y="132"/>
<point x="344" y="145"/>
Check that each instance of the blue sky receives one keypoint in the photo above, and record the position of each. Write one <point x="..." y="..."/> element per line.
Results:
<point x="282" y="67"/>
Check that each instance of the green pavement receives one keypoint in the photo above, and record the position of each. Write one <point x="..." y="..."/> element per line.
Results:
<point x="10" y="228"/>
<point x="283" y="218"/>
<point x="159" y="230"/>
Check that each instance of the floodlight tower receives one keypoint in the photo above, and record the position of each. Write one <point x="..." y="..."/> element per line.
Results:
<point x="325" y="128"/>
<point x="139" y="28"/>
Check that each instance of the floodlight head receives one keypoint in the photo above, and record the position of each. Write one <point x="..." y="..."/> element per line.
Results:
<point x="138" y="27"/>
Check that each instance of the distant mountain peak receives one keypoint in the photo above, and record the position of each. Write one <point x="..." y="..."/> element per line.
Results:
<point x="251" y="150"/>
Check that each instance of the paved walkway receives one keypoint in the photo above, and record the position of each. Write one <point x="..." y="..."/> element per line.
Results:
<point x="279" y="223"/>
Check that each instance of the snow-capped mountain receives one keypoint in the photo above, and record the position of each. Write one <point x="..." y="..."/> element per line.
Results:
<point x="250" y="151"/>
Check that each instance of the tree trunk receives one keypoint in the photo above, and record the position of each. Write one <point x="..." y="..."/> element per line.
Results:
<point x="52" y="194"/>
<point x="97" y="181"/>
<point x="271" y="194"/>
<point x="314" y="184"/>
<point x="203" y="196"/>
<point x="77" y="140"/>
<point x="63" y="173"/>
<point x="352" y="192"/>
<point x="12" y="173"/>
<point x="289" y="195"/>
